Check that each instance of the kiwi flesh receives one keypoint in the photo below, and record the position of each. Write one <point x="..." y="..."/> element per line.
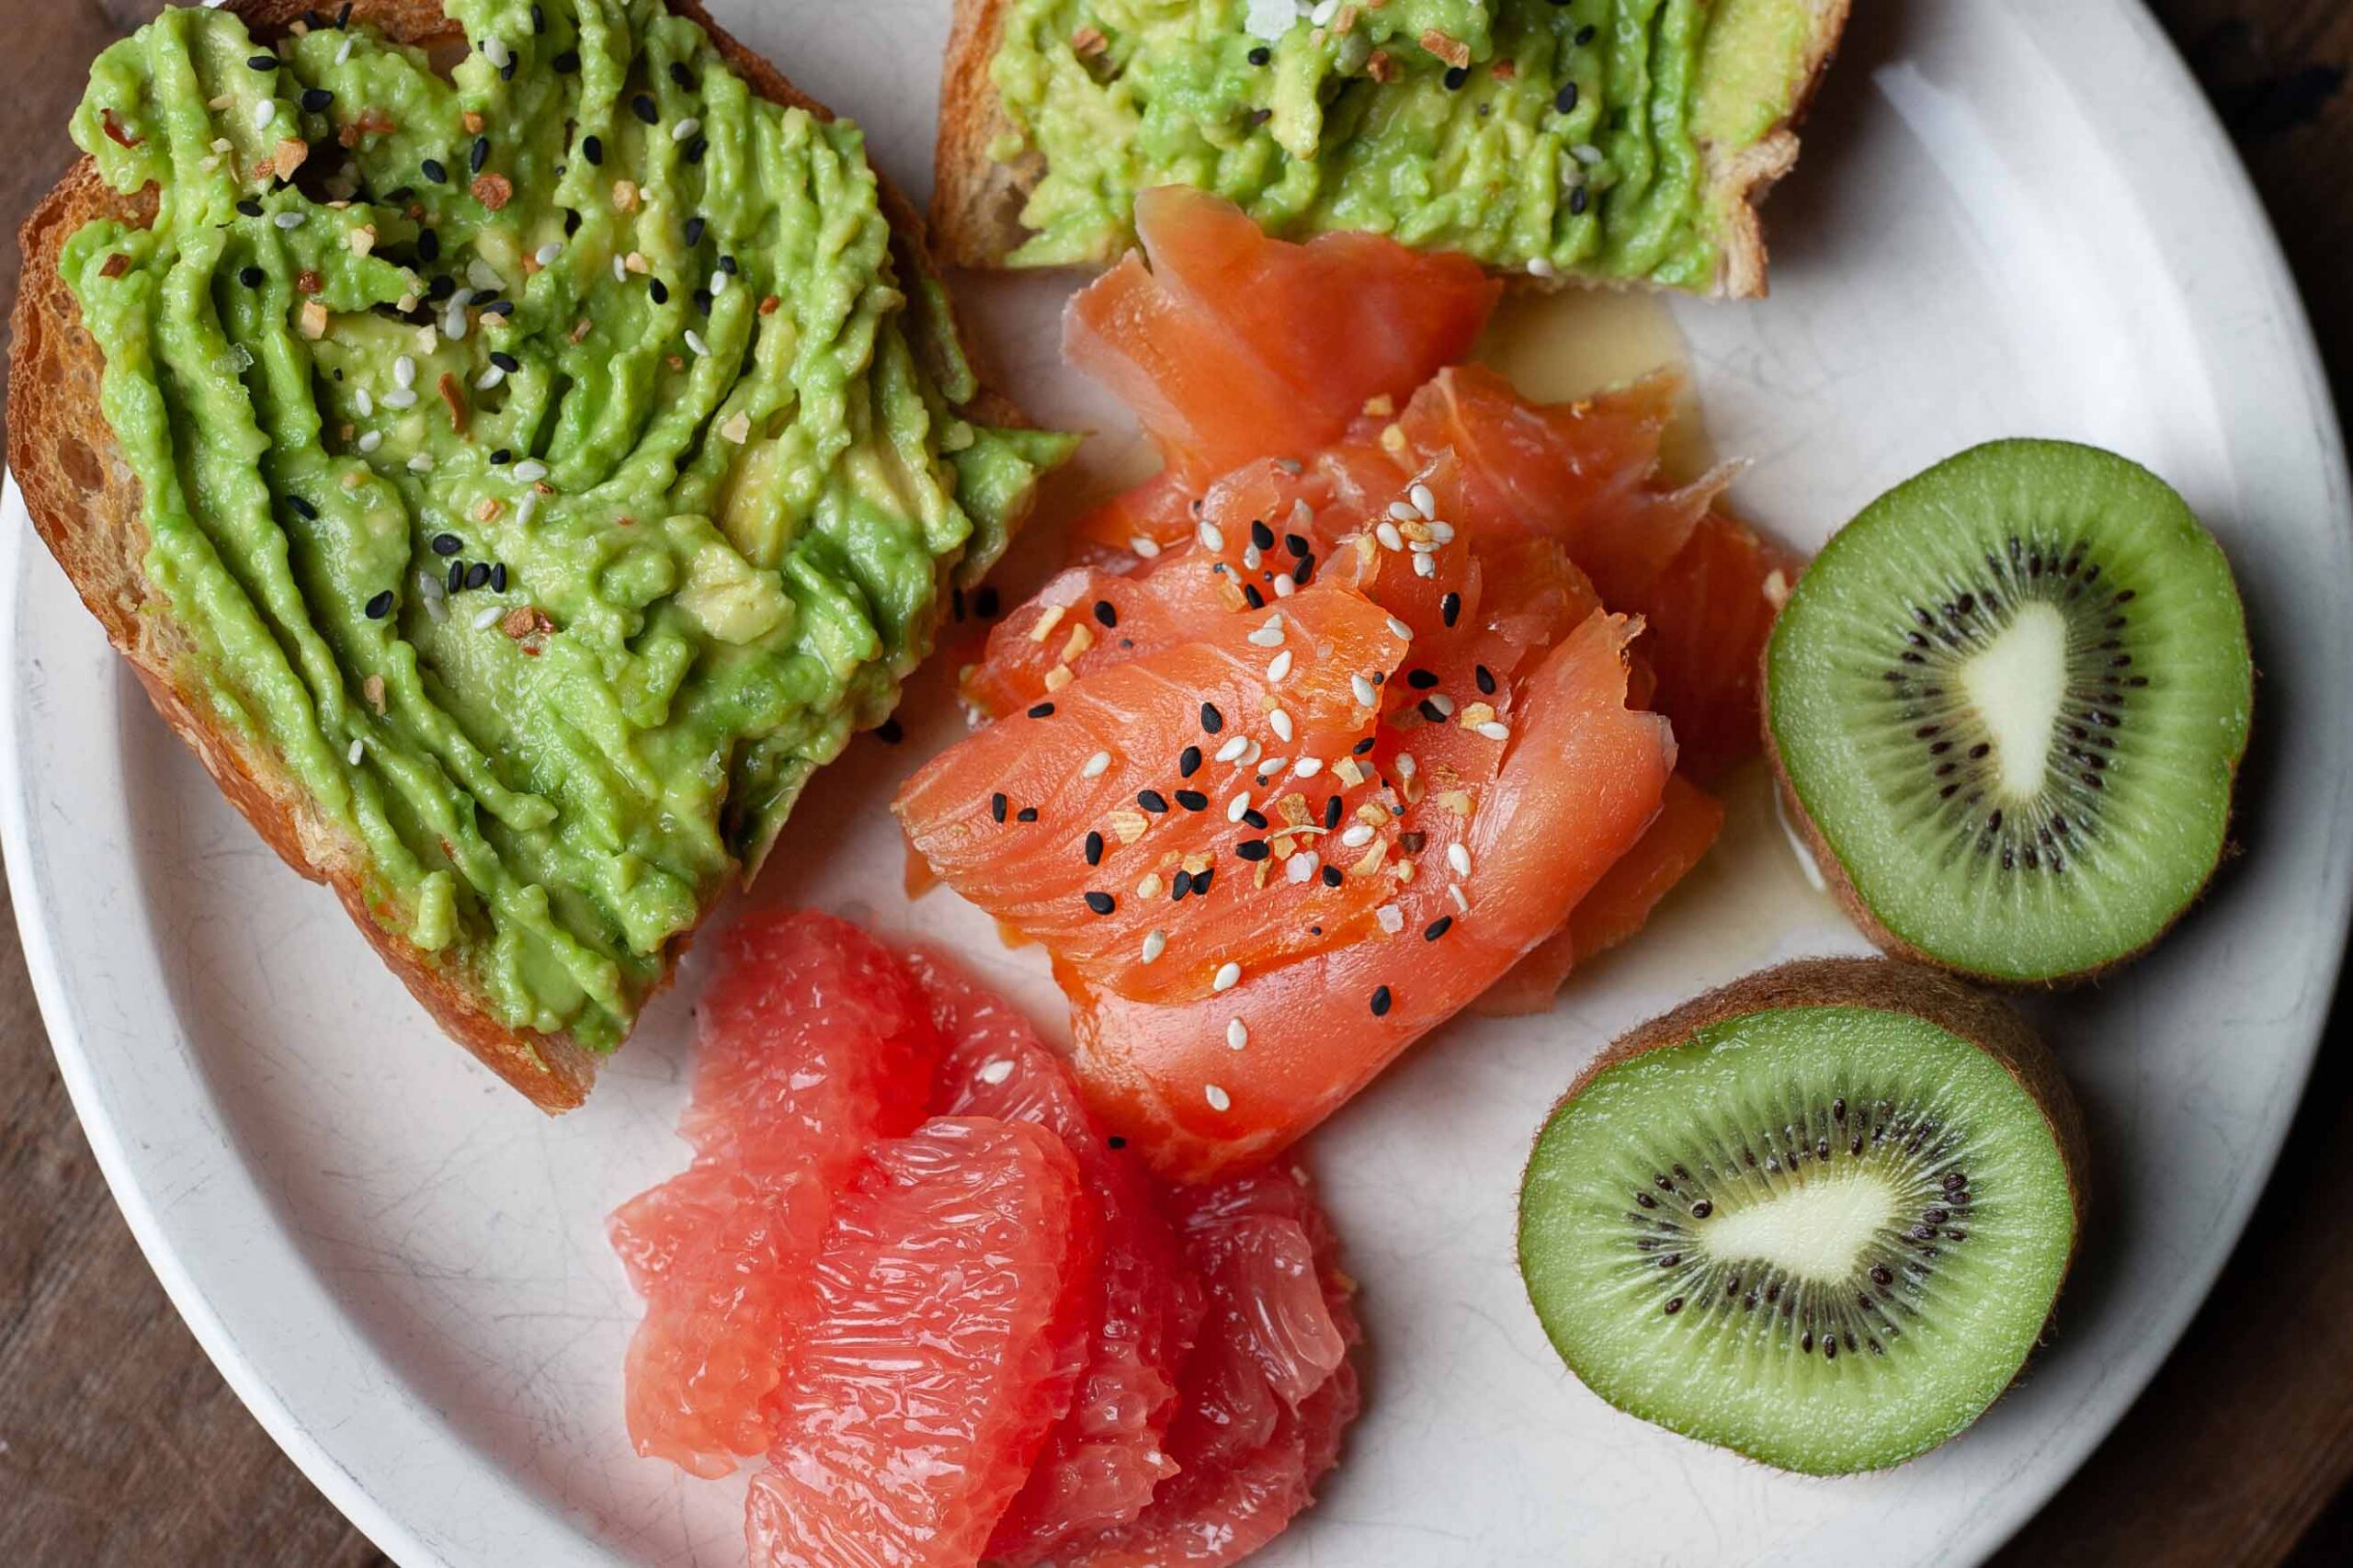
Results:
<point x="1820" y="1217"/>
<point x="2007" y="704"/>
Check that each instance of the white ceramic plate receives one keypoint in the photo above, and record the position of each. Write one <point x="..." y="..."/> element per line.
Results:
<point x="2012" y="218"/>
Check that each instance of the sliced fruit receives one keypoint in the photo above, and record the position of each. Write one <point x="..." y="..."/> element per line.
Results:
<point x="814" y="1040"/>
<point x="1621" y="902"/>
<point x="1103" y="1460"/>
<point x="1820" y="1217"/>
<point x="2009" y="701"/>
<point x="1231" y="348"/>
<point x="953" y="1296"/>
<point x="1268" y="1393"/>
<point x="1243" y="1063"/>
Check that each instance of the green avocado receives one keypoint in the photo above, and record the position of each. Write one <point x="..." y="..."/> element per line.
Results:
<point x="540" y="449"/>
<point x="1558" y="137"/>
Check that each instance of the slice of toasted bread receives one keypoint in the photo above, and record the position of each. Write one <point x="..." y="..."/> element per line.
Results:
<point x="87" y="506"/>
<point x="977" y="200"/>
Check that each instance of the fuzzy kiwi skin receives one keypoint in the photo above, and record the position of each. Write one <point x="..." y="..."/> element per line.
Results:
<point x="1834" y="870"/>
<point x="1890" y="985"/>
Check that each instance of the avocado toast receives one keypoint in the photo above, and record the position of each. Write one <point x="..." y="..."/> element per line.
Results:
<point x="1617" y="142"/>
<point x="514" y="448"/>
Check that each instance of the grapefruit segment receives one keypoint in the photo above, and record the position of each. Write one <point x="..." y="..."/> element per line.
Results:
<point x="813" y="1039"/>
<point x="952" y="1298"/>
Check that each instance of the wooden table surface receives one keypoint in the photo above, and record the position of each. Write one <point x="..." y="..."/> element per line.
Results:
<point x="119" y="1444"/>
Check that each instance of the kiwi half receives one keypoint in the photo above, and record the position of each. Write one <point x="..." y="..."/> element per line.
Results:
<point x="2007" y="704"/>
<point x="1819" y="1217"/>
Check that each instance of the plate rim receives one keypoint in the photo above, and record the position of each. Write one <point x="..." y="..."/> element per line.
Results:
<point x="2146" y="48"/>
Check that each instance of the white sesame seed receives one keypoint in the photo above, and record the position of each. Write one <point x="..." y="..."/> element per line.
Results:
<point x="343" y="54"/>
<point x="1279" y="721"/>
<point x="1301" y="866"/>
<point x="1212" y="537"/>
<point x="1154" y="944"/>
<point x="1251" y="558"/>
<point x="363" y="402"/>
<point x="1271" y="766"/>
<point x="1219" y="1099"/>
<point x="1404" y="765"/>
<point x="289" y="220"/>
<point x="546" y="255"/>
<point x="1367" y="694"/>
<point x="1251" y="753"/>
<point x="1276" y="668"/>
<point x="718" y="282"/>
<point x="684" y="129"/>
<point x="1399" y="628"/>
<point x="404" y="371"/>
<point x="1392" y="919"/>
<point x="1423" y="546"/>
<point x="695" y="342"/>
<point x="264" y="112"/>
<point x="1144" y="547"/>
<point x="1270" y="634"/>
<point x="372" y="440"/>
<point x="525" y="508"/>
<point x="436" y="598"/>
<point x="1237" y="1034"/>
<point x="1442" y="702"/>
<point x="1284" y="586"/>
<point x="423" y="462"/>
<point x="530" y="470"/>
<point x="358" y="749"/>
<point x="1539" y="268"/>
<point x="1323" y="12"/>
<point x="1302" y="515"/>
<point x="1425" y="566"/>
<point x="1386" y="532"/>
<point x="488" y="616"/>
<point x="483" y="276"/>
<point x="1308" y="767"/>
<point x="495" y="51"/>
<point x="1585" y="153"/>
<point x="1095" y="766"/>
<point x="400" y="397"/>
<point x="997" y="1071"/>
<point x="1459" y="858"/>
<point x="489" y="378"/>
<point x="621" y="271"/>
<point x="1228" y="976"/>
<point x="1442" y="533"/>
<point x="1357" y="836"/>
<point x="1494" y="730"/>
<point x="1403" y="512"/>
<point x="1232" y="748"/>
<point x="1424" y="502"/>
<point x="1454" y="891"/>
<point x="453" y="325"/>
<point x="1235" y="807"/>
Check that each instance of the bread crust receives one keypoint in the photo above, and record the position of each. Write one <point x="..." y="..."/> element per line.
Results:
<point x="87" y="506"/>
<point x="976" y="201"/>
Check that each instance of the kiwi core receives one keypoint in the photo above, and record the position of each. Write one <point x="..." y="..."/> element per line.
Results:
<point x="1818" y="1231"/>
<point x="2018" y="684"/>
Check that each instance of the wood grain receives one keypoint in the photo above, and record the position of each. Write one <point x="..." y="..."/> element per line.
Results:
<point x="119" y="1445"/>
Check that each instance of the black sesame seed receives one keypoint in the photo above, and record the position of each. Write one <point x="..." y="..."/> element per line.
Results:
<point x="1261" y="535"/>
<point x="659" y="290"/>
<point x="1192" y="799"/>
<point x="1202" y="881"/>
<point x="1250" y="592"/>
<point x="263" y="61"/>
<point x="1565" y="100"/>
<point x="1257" y="117"/>
<point x="457" y="581"/>
<point x="506" y="71"/>
<point x="249" y="206"/>
<point x="1101" y="903"/>
<point x="1450" y="608"/>
<point x="682" y="77"/>
<point x="303" y="508"/>
<point x="1094" y="849"/>
<point x="1151" y="800"/>
<point x="642" y="106"/>
<point x="251" y="277"/>
<point x="479" y="155"/>
<point x="502" y="457"/>
<point x="1115" y="1141"/>
<point x="448" y="544"/>
<point x="571" y="222"/>
<point x="428" y="245"/>
<point x="998" y="805"/>
<point x="1211" y="720"/>
<point x="1579" y="201"/>
<point x="1332" y="809"/>
<point x="1380" y="1000"/>
<point x="1421" y="679"/>
<point x="694" y="230"/>
<point x="592" y="147"/>
<point x="1331" y="876"/>
<point x="696" y="148"/>
<point x="1261" y="55"/>
<point x="477" y="575"/>
<point x="1179" y="885"/>
<point x="538" y="18"/>
<point x="1364" y="747"/>
<point x="702" y="301"/>
<point x="498" y="578"/>
<point x="1252" y="849"/>
<point x="1431" y="712"/>
<point x="381" y="606"/>
<point x="434" y="171"/>
<point x="1486" y="680"/>
<point x="1041" y="711"/>
<point x="499" y="308"/>
<point x="316" y="100"/>
<point x="1027" y="814"/>
<point x="1189" y="762"/>
<point x="505" y="362"/>
<point x="1585" y="35"/>
<point x="1455" y="76"/>
<point x="1256" y="818"/>
<point x="727" y="265"/>
<point x="1438" y="927"/>
<point x="890" y="731"/>
<point x="566" y="62"/>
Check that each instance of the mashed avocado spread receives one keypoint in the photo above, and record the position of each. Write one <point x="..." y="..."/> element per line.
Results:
<point x="1555" y="136"/>
<point x="541" y="448"/>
